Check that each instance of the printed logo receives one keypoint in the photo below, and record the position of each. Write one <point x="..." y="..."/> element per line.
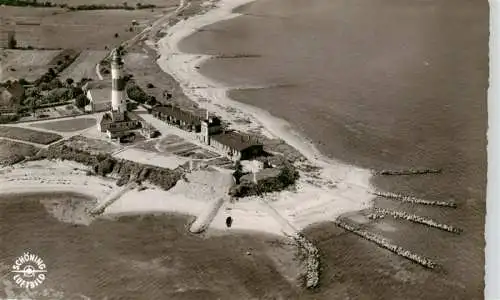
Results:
<point x="29" y="271"/>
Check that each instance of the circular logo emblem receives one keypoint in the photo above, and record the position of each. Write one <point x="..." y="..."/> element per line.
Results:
<point x="29" y="271"/>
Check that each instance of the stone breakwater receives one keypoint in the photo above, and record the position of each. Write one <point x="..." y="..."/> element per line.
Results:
<point x="418" y="219"/>
<point x="414" y="200"/>
<point x="384" y="243"/>
<point x="409" y="172"/>
<point x="311" y="256"/>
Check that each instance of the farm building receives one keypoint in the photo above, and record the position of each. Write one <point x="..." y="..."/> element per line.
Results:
<point x="11" y="97"/>
<point x="176" y="116"/>
<point x="236" y="145"/>
<point x="99" y="95"/>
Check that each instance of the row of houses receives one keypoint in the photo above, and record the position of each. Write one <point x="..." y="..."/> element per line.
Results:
<point x="233" y="144"/>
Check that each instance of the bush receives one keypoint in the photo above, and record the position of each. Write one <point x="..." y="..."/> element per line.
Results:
<point x="23" y="81"/>
<point x="81" y="101"/>
<point x="69" y="81"/>
<point x="8" y="118"/>
<point x="150" y="86"/>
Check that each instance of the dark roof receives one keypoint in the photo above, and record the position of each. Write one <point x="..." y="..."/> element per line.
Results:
<point x="129" y="116"/>
<point x="178" y="113"/>
<point x="98" y="84"/>
<point x="215" y="121"/>
<point x="235" y="140"/>
<point x="106" y="118"/>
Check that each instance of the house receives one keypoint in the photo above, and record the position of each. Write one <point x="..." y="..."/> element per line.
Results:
<point x="176" y="116"/>
<point x="98" y="93"/>
<point x="235" y="145"/>
<point x="116" y="124"/>
<point x="11" y="97"/>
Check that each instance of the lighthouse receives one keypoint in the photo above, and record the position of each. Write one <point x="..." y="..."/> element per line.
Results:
<point x="118" y="103"/>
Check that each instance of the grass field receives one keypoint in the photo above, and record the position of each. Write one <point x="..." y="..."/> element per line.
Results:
<point x="91" y="145"/>
<point x="84" y="65"/>
<point x="57" y="28"/>
<point x="29" y="135"/>
<point x="67" y="125"/>
<point x="11" y="152"/>
<point x="27" y="64"/>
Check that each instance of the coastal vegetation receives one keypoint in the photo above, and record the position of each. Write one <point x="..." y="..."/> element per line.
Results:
<point x="268" y="180"/>
<point x="106" y="165"/>
<point x="135" y="93"/>
<point x="13" y="152"/>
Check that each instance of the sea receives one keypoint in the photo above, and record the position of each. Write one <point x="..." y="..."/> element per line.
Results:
<point x="381" y="84"/>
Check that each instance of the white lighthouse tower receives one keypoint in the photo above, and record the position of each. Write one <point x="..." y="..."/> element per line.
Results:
<point x="118" y="103"/>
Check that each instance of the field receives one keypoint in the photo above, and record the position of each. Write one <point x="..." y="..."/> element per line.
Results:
<point x="57" y="28"/>
<point x="91" y="145"/>
<point x="67" y="125"/>
<point x="11" y="151"/>
<point x="84" y="65"/>
<point x="54" y="112"/>
<point x="27" y="64"/>
<point x="131" y="3"/>
<point x="29" y="135"/>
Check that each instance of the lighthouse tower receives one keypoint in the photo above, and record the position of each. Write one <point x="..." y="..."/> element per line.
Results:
<point x="118" y="103"/>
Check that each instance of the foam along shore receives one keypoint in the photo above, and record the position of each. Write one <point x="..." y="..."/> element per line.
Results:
<point x="196" y="195"/>
<point x="46" y="176"/>
<point x="339" y="188"/>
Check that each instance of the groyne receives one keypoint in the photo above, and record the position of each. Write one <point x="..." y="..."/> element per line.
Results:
<point x="418" y="219"/>
<point x="206" y="217"/>
<point x="99" y="209"/>
<point x="409" y="172"/>
<point x="414" y="200"/>
<point x="384" y="243"/>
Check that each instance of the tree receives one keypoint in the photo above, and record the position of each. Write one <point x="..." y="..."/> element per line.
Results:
<point x="81" y="101"/>
<point x="69" y="81"/>
<point x="150" y="86"/>
<point x="116" y="35"/>
<point x="23" y="81"/>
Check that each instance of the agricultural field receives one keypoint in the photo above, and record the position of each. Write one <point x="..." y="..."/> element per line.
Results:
<point x="57" y="28"/>
<point x="29" y="135"/>
<point x="84" y="65"/>
<point x="27" y="64"/>
<point x="11" y="151"/>
<point x="71" y="125"/>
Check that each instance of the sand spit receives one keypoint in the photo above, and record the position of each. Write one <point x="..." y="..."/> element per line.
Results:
<point x="337" y="189"/>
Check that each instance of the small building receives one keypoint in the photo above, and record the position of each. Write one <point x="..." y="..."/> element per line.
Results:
<point x="236" y="145"/>
<point x="115" y="122"/>
<point x="11" y="97"/>
<point x="178" y="117"/>
<point x="98" y="93"/>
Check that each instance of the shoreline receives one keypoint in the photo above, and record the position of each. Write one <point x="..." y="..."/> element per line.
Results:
<point x="199" y="88"/>
<point x="212" y="95"/>
<point x="322" y="197"/>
